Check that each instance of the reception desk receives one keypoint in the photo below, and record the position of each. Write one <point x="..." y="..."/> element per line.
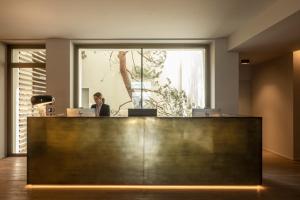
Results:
<point x="144" y="151"/>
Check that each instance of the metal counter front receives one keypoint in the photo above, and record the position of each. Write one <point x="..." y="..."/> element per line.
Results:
<point x="144" y="151"/>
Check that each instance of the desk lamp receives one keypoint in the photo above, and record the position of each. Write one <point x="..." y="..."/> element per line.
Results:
<point x="40" y="101"/>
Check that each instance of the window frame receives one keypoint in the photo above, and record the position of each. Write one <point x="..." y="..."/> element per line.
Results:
<point x="9" y="79"/>
<point x="206" y="47"/>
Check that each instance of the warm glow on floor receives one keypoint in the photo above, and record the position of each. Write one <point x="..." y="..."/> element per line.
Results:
<point x="148" y="187"/>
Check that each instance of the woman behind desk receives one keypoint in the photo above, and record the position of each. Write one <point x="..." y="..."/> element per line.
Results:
<point x="100" y="107"/>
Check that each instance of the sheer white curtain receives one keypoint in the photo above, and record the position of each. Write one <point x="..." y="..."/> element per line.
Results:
<point x="186" y="71"/>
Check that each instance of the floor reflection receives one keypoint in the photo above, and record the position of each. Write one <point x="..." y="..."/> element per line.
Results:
<point x="281" y="177"/>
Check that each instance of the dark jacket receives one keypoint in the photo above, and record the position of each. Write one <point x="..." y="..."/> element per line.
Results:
<point x="104" y="111"/>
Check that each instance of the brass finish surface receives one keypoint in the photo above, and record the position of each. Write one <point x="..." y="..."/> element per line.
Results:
<point x="144" y="150"/>
<point x="84" y="150"/>
<point x="203" y="151"/>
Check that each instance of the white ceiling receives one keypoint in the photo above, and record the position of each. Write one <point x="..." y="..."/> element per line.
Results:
<point x="279" y="39"/>
<point x="127" y="19"/>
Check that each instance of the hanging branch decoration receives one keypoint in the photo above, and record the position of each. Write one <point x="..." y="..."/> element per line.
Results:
<point x="115" y="113"/>
<point x="83" y="55"/>
<point x="168" y="100"/>
<point x="124" y="72"/>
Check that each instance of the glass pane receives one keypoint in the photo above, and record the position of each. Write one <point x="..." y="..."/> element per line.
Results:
<point x="174" y="80"/>
<point x="116" y="73"/>
<point x="28" y="56"/>
<point x="26" y="83"/>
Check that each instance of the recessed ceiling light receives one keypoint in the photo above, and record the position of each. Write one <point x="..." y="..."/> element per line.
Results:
<point x="245" y="61"/>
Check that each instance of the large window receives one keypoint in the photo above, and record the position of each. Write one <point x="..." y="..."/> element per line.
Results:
<point x="28" y="78"/>
<point x="172" y="80"/>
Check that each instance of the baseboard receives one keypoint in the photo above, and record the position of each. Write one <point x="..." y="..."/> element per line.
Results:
<point x="278" y="154"/>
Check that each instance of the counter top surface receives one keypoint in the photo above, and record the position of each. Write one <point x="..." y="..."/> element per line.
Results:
<point x="232" y="116"/>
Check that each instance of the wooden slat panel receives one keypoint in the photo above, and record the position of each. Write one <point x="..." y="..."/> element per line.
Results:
<point x="32" y="81"/>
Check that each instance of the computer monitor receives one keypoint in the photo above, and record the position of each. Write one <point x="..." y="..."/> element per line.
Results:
<point x="142" y="112"/>
<point x="206" y="112"/>
<point x="80" y="112"/>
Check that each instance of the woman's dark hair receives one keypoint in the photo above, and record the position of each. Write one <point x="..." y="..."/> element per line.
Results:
<point x="98" y="94"/>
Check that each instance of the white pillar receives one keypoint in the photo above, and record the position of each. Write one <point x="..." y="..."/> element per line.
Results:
<point x="59" y="72"/>
<point x="225" y="77"/>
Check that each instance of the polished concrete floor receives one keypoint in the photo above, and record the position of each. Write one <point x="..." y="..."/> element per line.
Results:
<point x="280" y="176"/>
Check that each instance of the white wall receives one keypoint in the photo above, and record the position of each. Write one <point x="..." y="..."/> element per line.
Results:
<point x="225" y="77"/>
<point x="271" y="90"/>
<point x="2" y="100"/>
<point x="296" y="103"/>
<point x="245" y="93"/>
<point x="59" y="72"/>
<point x="272" y="98"/>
